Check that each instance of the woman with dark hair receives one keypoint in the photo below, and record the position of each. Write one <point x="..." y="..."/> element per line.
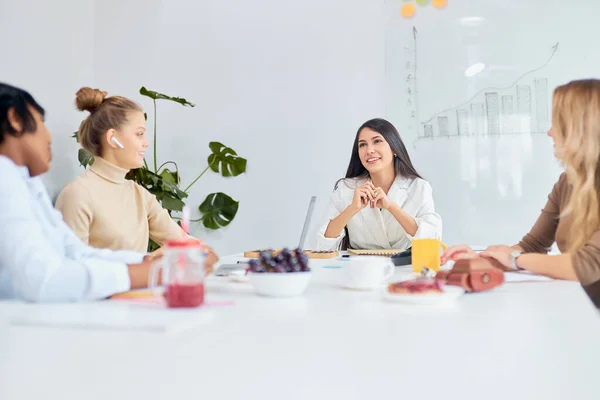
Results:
<point x="41" y="259"/>
<point x="382" y="203"/>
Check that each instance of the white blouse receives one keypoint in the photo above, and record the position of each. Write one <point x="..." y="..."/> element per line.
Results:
<point x="372" y="228"/>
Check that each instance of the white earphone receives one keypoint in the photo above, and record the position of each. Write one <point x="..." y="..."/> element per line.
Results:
<point x="116" y="141"/>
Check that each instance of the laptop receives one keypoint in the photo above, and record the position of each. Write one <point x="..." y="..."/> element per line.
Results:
<point x="240" y="268"/>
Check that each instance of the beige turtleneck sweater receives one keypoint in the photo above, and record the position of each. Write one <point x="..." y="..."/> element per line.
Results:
<point x="108" y="211"/>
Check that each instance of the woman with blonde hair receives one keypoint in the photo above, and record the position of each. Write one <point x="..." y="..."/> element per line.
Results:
<point x="571" y="217"/>
<point x="104" y="209"/>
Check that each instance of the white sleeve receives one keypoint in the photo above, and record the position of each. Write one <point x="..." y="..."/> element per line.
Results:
<point x="77" y="249"/>
<point x="334" y="208"/>
<point x="37" y="270"/>
<point x="429" y="222"/>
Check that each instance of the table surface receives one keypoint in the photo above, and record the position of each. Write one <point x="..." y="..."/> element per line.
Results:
<point x="534" y="340"/>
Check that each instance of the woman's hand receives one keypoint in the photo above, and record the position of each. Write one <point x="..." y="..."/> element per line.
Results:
<point x="500" y="254"/>
<point x="363" y="196"/>
<point x="209" y="262"/>
<point x="458" y="252"/>
<point x="211" y="259"/>
<point x="380" y="199"/>
<point x="158" y="253"/>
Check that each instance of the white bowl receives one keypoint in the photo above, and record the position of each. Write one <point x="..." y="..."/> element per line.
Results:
<point x="284" y="284"/>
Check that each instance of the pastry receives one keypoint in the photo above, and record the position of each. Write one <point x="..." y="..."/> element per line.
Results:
<point x="416" y="286"/>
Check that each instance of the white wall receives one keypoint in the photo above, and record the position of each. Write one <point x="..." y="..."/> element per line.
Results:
<point x="47" y="49"/>
<point x="285" y="84"/>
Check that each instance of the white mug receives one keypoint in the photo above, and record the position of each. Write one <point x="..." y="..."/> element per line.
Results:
<point x="367" y="272"/>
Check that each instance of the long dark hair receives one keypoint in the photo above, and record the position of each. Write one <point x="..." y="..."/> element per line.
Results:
<point x="402" y="164"/>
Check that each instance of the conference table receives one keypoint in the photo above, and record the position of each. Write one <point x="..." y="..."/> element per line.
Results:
<point x="522" y="340"/>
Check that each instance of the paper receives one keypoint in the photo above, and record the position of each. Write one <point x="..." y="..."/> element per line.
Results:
<point x="524" y="276"/>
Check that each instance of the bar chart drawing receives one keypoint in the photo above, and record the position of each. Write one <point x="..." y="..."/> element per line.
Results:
<point x="477" y="121"/>
<point x="523" y="107"/>
<point x="497" y="114"/>
<point x="541" y="111"/>
<point x="507" y="114"/>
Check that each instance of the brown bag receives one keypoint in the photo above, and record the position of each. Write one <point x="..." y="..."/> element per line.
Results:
<point x="474" y="275"/>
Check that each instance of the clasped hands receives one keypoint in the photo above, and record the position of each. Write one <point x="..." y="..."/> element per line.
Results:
<point x="370" y="195"/>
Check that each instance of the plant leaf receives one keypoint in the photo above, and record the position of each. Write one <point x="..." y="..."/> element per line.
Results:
<point x="85" y="158"/>
<point x="162" y="186"/>
<point x="225" y="160"/>
<point x="218" y="210"/>
<point x="159" y="96"/>
<point x="169" y="176"/>
<point x="152" y="245"/>
<point x="172" y="203"/>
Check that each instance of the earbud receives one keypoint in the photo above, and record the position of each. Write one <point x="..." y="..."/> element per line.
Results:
<point x="116" y="141"/>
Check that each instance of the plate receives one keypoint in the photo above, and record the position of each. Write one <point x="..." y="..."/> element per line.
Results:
<point x="450" y="294"/>
<point x="350" y="286"/>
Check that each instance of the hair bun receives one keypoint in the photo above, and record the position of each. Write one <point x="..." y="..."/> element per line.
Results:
<point x="88" y="99"/>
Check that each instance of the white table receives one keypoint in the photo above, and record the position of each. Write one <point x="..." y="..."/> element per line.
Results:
<point x="520" y="341"/>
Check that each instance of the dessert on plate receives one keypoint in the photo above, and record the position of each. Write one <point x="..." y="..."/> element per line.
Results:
<point x="416" y="286"/>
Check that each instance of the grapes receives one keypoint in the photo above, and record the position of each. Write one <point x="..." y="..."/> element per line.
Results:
<point x="256" y="266"/>
<point x="271" y="266"/>
<point x="303" y="260"/>
<point x="265" y="257"/>
<point x="285" y="261"/>
<point x="253" y="264"/>
<point x="286" y="254"/>
<point x="280" y="259"/>
<point x="280" y="269"/>
<point x="296" y="267"/>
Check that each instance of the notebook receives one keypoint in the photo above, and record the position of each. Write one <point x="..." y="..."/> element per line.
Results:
<point x="380" y="252"/>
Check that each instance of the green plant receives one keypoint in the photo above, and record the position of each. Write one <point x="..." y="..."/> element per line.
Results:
<point x="217" y="210"/>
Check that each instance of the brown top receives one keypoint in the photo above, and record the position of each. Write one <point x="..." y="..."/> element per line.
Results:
<point x="107" y="211"/>
<point x="550" y="228"/>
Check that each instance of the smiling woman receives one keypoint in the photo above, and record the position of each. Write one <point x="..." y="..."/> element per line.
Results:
<point x="382" y="203"/>
<point x="103" y="208"/>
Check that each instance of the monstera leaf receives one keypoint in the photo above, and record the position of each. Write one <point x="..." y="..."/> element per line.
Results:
<point x="225" y="160"/>
<point x="159" y="96"/>
<point x="171" y="202"/>
<point x="218" y="210"/>
<point x="170" y="176"/>
<point x="164" y="187"/>
<point x="85" y="158"/>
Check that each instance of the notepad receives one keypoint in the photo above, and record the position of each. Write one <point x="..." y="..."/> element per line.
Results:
<point x="379" y="252"/>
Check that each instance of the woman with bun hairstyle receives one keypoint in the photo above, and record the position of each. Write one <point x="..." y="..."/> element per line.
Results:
<point x="104" y="209"/>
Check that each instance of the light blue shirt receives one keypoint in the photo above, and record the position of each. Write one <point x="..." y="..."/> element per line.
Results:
<point x="41" y="259"/>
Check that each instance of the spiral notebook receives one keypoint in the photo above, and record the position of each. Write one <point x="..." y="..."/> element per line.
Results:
<point x="381" y="252"/>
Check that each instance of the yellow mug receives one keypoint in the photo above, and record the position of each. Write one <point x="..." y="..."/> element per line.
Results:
<point x="426" y="253"/>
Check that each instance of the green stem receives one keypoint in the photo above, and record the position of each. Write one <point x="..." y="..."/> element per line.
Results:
<point x="191" y="220"/>
<point x="145" y="164"/>
<point x="169" y="162"/>
<point x="155" y="169"/>
<point x="195" y="180"/>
